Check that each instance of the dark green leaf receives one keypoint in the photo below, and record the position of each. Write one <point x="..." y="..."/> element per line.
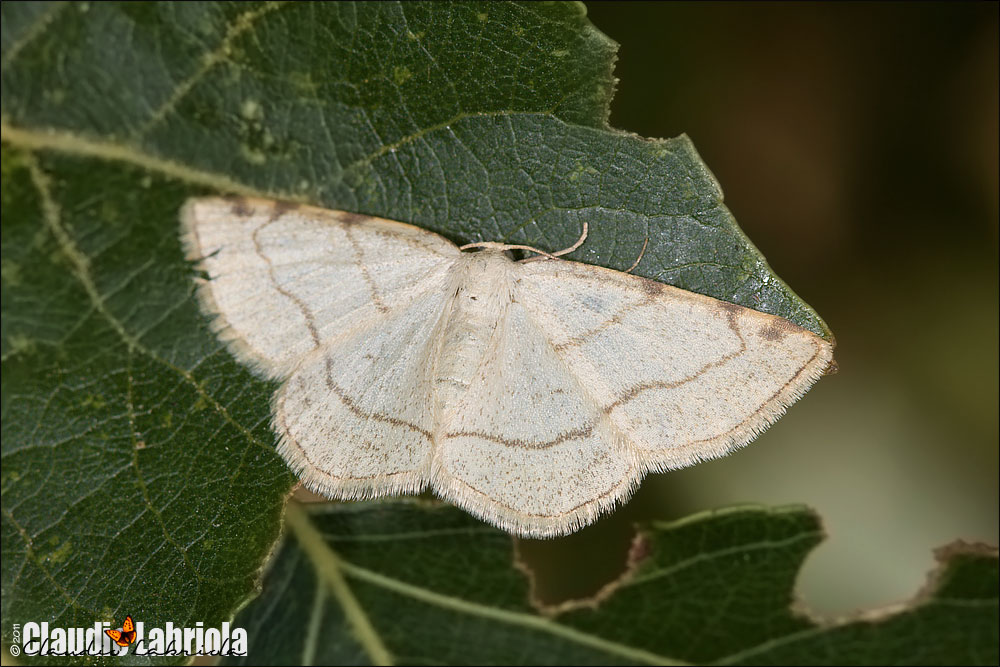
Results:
<point x="138" y="469"/>
<point x="475" y="121"/>
<point x="438" y="587"/>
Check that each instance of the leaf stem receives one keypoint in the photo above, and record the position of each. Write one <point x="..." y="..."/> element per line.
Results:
<point x="330" y="565"/>
<point x="329" y="570"/>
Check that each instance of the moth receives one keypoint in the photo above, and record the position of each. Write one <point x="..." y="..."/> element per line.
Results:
<point x="535" y="394"/>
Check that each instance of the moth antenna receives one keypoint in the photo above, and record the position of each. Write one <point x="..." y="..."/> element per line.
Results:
<point x="579" y="242"/>
<point x="507" y="246"/>
<point x="639" y="258"/>
<point x="542" y="253"/>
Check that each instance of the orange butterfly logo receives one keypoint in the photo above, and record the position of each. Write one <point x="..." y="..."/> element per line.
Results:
<point x="126" y="635"/>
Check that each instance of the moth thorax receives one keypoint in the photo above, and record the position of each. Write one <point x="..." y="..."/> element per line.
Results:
<point x="482" y="294"/>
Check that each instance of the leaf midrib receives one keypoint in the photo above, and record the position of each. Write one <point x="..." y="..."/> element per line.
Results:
<point x="530" y="621"/>
<point x="303" y="528"/>
<point x="74" y="143"/>
<point x="324" y="558"/>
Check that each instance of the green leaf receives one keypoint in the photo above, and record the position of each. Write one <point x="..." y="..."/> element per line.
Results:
<point x="434" y="586"/>
<point x="480" y="122"/>
<point x="139" y="475"/>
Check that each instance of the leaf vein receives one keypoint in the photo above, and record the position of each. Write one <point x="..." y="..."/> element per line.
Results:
<point x="36" y="29"/>
<point x="209" y="60"/>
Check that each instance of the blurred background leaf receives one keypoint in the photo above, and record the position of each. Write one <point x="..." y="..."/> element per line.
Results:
<point x="436" y="586"/>
<point x="858" y="147"/>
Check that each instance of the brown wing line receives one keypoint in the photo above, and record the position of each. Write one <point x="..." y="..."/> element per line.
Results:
<point x="630" y="394"/>
<point x="286" y="435"/>
<point x="490" y="500"/>
<point x="306" y="313"/>
<point x="518" y="443"/>
<point x="353" y="407"/>
<point x="580" y="339"/>
<point x="246" y="206"/>
<point x="759" y="410"/>
<point x="653" y="289"/>
<point x="372" y="287"/>
<point x="341" y="395"/>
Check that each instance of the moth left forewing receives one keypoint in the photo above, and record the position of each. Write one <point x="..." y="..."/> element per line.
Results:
<point x="684" y="376"/>
<point x="284" y="277"/>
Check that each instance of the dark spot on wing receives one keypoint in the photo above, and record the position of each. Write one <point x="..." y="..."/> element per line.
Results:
<point x="732" y="312"/>
<point x="730" y="308"/>
<point x="650" y="287"/>
<point x="240" y="206"/>
<point x="283" y="207"/>
<point x="772" y="331"/>
<point x="777" y="329"/>
<point x="352" y="218"/>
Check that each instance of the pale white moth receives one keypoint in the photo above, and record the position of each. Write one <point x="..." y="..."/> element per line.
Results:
<point x="533" y="394"/>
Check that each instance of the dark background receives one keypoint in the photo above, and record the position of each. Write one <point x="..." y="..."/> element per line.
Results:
<point x="857" y="147"/>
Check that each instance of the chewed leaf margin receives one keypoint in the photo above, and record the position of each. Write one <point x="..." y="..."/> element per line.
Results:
<point x="403" y="556"/>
